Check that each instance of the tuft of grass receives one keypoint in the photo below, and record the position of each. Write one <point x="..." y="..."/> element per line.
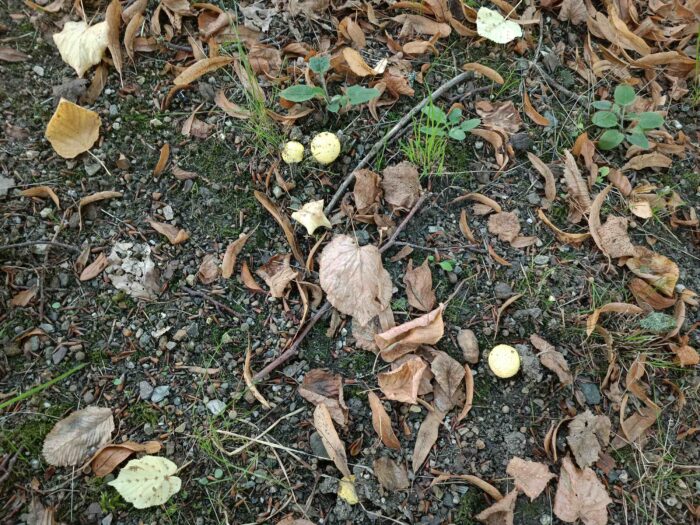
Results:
<point x="424" y="150"/>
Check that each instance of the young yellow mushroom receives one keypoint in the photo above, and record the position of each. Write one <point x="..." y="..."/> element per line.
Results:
<point x="504" y="361"/>
<point x="325" y="147"/>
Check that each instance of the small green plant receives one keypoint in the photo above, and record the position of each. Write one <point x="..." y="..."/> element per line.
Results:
<point x="352" y="96"/>
<point x="621" y="124"/>
<point x="448" y="265"/>
<point x="447" y="125"/>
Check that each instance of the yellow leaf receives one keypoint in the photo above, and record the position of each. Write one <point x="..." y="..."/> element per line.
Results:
<point x="72" y="129"/>
<point x="82" y="46"/>
<point x="346" y="490"/>
<point x="492" y="26"/>
<point x="147" y="482"/>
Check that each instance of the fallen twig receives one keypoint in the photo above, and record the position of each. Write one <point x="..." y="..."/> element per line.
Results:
<point x="26" y="244"/>
<point x="393" y="132"/>
<point x="220" y="306"/>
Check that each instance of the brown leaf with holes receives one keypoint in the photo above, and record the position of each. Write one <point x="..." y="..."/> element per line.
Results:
<point x="232" y="251"/>
<point x="505" y="225"/>
<point x="419" y="286"/>
<point x="427" y="329"/>
<point x="208" y="271"/>
<point x="552" y="359"/>
<point x="390" y="475"/>
<point x="402" y="383"/>
<point x="401" y="185"/>
<point x="111" y="456"/>
<point x="174" y="234"/>
<point x="382" y="422"/>
<point x="550" y="187"/>
<point x="656" y="269"/>
<point x="588" y="437"/>
<point x="277" y="274"/>
<point x="323" y="422"/>
<point x="354" y="278"/>
<point x="502" y="116"/>
<point x="426" y="438"/>
<point x="501" y="512"/>
<point x="322" y="387"/>
<point x="530" y="477"/>
<point x="580" y="495"/>
<point x="614" y="240"/>
<point x="42" y="192"/>
<point x="579" y="198"/>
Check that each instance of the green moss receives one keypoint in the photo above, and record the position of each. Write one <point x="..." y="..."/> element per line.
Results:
<point x="141" y="413"/>
<point x="469" y="506"/>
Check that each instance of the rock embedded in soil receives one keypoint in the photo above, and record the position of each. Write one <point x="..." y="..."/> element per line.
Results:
<point x="160" y="393"/>
<point x="145" y="390"/>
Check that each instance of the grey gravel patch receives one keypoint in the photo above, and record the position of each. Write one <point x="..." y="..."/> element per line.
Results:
<point x="160" y="393"/>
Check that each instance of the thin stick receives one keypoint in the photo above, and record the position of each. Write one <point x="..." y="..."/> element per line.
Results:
<point x="39" y="388"/>
<point x="268" y="429"/>
<point x="390" y="134"/>
<point x="213" y="301"/>
<point x="101" y="163"/>
<point x="34" y="243"/>
<point x="294" y="347"/>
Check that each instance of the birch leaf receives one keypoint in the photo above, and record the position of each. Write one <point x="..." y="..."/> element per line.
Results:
<point x="72" y="129"/>
<point x="147" y="482"/>
<point x="82" y="46"/>
<point x="492" y="26"/>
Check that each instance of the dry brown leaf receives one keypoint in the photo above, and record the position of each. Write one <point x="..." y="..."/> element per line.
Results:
<point x="10" y="54"/>
<point x="501" y="512"/>
<point x="486" y="71"/>
<point x="174" y="234"/>
<point x="588" y="437"/>
<point x="181" y="174"/>
<point x="464" y="227"/>
<point x="469" y="394"/>
<point x="427" y="435"/>
<point x="530" y="477"/>
<point x="95" y="268"/>
<point x="284" y="223"/>
<point x="232" y="251"/>
<point x="489" y="204"/>
<point x="656" y="269"/>
<point x="448" y="375"/>
<point x="502" y="116"/>
<point x="357" y="64"/>
<point x="132" y="28"/>
<point x="579" y="198"/>
<point x="500" y="260"/>
<point x="497" y="139"/>
<point x="552" y="359"/>
<point x="472" y="480"/>
<point x="421" y="25"/>
<point x="467" y="341"/>
<point x="594" y="216"/>
<point x="645" y="294"/>
<point x="531" y="112"/>
<point x="382" y="422"/>
<point x="427" y="329"/>
<point x="201" y="67"/>
<point x="230" y="108"/>
<point x="249" y="382"/>
<point x="367" y="191"/>
<point x="99" y="196"/>
<point x="620" y="308"/>
<point x="390" y="475"/>
<point x="648" y="160"/>
<point x="24" y="297"/>
<point x="354" y="278"/>
<point x="575" y="239"/>
<point x="72" y="438"/>
<point x="42" y="192"/>
<point x="163" y="158"/>
<point x="72" y="129"/>
<point x="248" y="279"/>
<point x="614" y="240"/>
<point x="574" y="11"/>
<point x="402" y="383"/>
<point x="208" y="271"/>
<point x="352" y="31"/>
<point x="505" y="225"/>
<point x="686" y="355"/>
<point x="113" y="17"/>
<point x="401" y="185"/>
<point x="111" y="456"/>
<point x="419" y="286"/>
<point x="620" y="181"/>
<point x="397" y="83"/>
<point x="277" y="274"/>
<point x="322" y="387"/>
<point x="580" y="495"/>
<point x="550" y="187"/>
<point x="323" y="422"/>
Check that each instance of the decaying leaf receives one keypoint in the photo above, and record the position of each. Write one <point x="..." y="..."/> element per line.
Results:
<point x="72" y="438"/>
<point x="401" y="185"/>
<point x="323" y="422"/>
<point x="550" y="187"/>
<point x="208" y="271"/>
<point x="502" y="116"/>
<point x="448" y="375"/>
<point x="575" y="239"/>
<point x="579" y="198"/>
<point x="588" y="437"/>
<point x="646" y="295"/>
<point x="427" y="435"/>
<point x="82" y="46"/>
<point x="390" y="475"/>
<point x="174" y="234"/>
<point x="647" y="160"/>
<point x="232" y="251"/>
<point x="402" y="383"/>
<point x="367" y="191"/>
<point x="505" y="225"/>
<point x="614" y="240"/>
<point x="419" y="286"/>
<point x="10" y="54"/>
<point x="72" y="129"/>
<point x="147" y="482"/>
<point x="354" y="278"/>
<point x="311" y="216"/>
<point x="468" y="394"/>
<point x="42" y="192"/>
<point x="322" y="387"/>
<point x="201" y="67"/>
<point x="621" y="308"/>
<point x="530" y="477"/>
<point x="580" y="495"/>
<point x="163" y="158"/>
<point x="113" y="17"/>
<point x="552" y="359"/>
<point x="24" y="297"/>
<point x="132" y="270"/>
<point x="284" y="223"/>
<point x="95" y="268"/>
<point x="277" y="274"/>
<point x="111" y="456"/>
<point x="37" y="514"/>
<point x="501" y="512"/>
<point x="656" y="269"/>
<point x="427" y="329"/>
<point x="382" y="422"/>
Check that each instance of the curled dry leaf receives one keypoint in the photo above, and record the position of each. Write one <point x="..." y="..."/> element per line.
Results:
<point x="277" y="274"/>
<point x="42" y="192"/>
<point x="230" y="108"/>
<point x="357" y="64"/>
<point x="646" y="295"/>
<point x="323" y="423"/>
<point x="322" y="387"/>
<point x="648" y="160"/>
<point x="472" y="480"/>
<point x="580" y="495"/>
<point x="24" y="297"/>
<point x="174" y="234"/>
<point x="468" y="394"/>
<point x="574" y="11"/>
<point x="488" y="204"/>
<point x="501" y="512"/>
<point x="505" y="225"/>
<point x="552" y="359"/>
<point x="390" y="475"/>
<point x="232" y="251"/>
<point x="421" y="25"/>
<point x="419" y="286"/>
<point x="311" y="216"/>
<point x="284" y="223"/>
<point x="72" y="129"/>
<point x="111" y="456"/>
<point x="550" y="187"/>
<point x="467" y="341"/>
<point x="208" y="271"/>
<point x="530" y="477"/>
<point x="579" y="198"/>
<point x="113" y="17"/>
<point x="620" y="181"/>
<point x="248" y="279"/>
<point x="82" y="46"/>
<point x="147" y="482"/>
<point x="486" y="71"/>
<point x="401" y="185"/>
<point x="620" y="308"/>
<point x="427" y="435"/>
<point x="403" y="383"/>
<point x="95" y="268"/>
<point x="656" y="269"/>
<point x="163" y="158"/>
<point x="588" y="437"/>
<point x="73" y="437"/>
<point x="382" y="422"/>
<point x="10" y="54"/>
<point x="427" y="329"/>
<point x="248" y="378"/>
<point x="574" y="239"/>
<point x="354" y="278"/>
<point x="201" y="67"/>
<point x="138" y="275"/>
<point x="531" y="112"/>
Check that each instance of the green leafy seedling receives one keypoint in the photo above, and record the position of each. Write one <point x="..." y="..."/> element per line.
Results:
<point x="447" y="125"/>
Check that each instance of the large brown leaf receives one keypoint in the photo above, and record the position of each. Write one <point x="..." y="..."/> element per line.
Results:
<point x="588" y="437"/>
<point x="419" y="286"/>
<point x="322" y="387"/>
<point x="614" y="240"/>
<point x="323" y="422"/>
<point x="72" y="438"/>
<point x="580" y="495"/>
<point x="354" y="278"/>
<point x="382" y="422"/>
<point x="401" y="185"/>
<point x="530" y="477"/>
<point x="501" y="512"/>
<point x="427" y="329"/>
<point x="403" y="383"/>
